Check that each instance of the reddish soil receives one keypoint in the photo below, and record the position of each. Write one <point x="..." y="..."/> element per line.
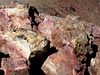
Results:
<point x="88" y="9"/>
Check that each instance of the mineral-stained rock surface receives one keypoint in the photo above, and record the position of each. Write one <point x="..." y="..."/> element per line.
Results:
<point x="14" y="66"/>
<point x="88" y="9"/>
<point x="95" y="66"/>
<point x="14" y="16"/>
<point x="25" y="42"/>
<point x="96" y="34"/>
<point x="75" y="31"/>
<point x="62" y="62"/>
<point x="20" y="44"/>
<point x="94" y="69"/>
<point x="72" y="37"/>
<point x="29" y="38"/>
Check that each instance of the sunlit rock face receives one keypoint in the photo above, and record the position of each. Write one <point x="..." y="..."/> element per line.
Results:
<point x="72" y="29"/>
<point x="18" y="39"/>
<point x="26" y="42"/>
<point x="70" y="38"/>
<point x="95" y="66"/>
<point x="20" y="45"/>
<point x="95" y="62"/>
<point x="62" y="62"/>
<point x="73" y="39"/>
<point x="14" y="16"/>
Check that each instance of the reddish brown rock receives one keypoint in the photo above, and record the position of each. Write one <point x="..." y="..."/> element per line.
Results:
<point x="97" y="42"/>
<point x="94" y="69"/>
<point x="96" y="34"/>
<point x="14" y="16"/>
<point x="46" y="26"/>
<point x="62" y="62"/>
<point x="17" y="39"/>
<point x="56" y="39"/>
<point x="70" y="37"/>
<point x="14" y="66"/>
<point x="96" y="31"/>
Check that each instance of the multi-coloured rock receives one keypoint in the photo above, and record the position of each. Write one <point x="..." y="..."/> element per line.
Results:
<point x="14" y="16"/>
<point x="62" y="62"/>
<point x="22" y="44"/>
<point x="96" y="31"/>
<point x="94" y="68"/>
<point x="96" y="34"/>
<point x="72" y="37"/>
<point x="17" y="39"/>
<point x="23" y="41"/>
<point x="72" y="29"/>
<point x="47" y="24"/>
<point x="14" y="66"/>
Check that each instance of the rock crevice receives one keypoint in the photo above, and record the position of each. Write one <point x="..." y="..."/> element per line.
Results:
<point x="41" y="44"/>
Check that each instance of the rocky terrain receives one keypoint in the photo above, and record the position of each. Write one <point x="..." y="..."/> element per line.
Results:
<point x="88" y="9"/>
<point x="51" y="42"/>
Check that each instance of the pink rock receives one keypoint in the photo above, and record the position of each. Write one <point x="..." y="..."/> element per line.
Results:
<point x="69" y="36"/>
<point x="14" y="18"/>
<point x="10" y="65"/>
<point x="96" y="31"/>
<point x="96" y="34"/>
<point x="62" y="62"/>
<point x="97" y="42"/>
<point x="12" y="50"/>
<point x="4" y="20"/>
<point x="46" y="27"/>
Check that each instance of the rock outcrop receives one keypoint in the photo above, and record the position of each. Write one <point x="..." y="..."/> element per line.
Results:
<point x="17" y="39"/>
<point x="72" y="37"/>
<point x="94" y="69"/>
<point x="29" y="38"/>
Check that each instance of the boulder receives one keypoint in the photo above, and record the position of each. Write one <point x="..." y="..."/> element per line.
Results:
<point x="72" y="37"/>
<point x="18" y="40"/>
<point x="94" y="69"/>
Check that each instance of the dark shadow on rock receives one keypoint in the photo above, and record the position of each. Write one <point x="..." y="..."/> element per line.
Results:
<point x="89" y="57"/>
<point x="1" y="72"/>
<point x="2" y="55"/>
<point x="95" y="50"/>
<point x="39" y="59"/>
<point x="32" y="11"/>
<point x="73" y="9"/>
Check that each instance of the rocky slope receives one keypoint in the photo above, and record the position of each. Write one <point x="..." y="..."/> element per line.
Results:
<point x="29" y="38"/>
<point x="88" y="9"/>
